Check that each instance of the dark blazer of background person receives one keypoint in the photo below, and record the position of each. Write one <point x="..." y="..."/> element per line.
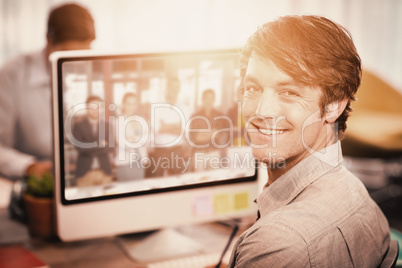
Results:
<point x="83" y="132"/>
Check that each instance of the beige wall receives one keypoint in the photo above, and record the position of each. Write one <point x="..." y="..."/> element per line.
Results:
<point x="154" y="25"/>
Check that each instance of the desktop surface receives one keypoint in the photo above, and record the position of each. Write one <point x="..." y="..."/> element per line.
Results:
<point x="106" y="252"/>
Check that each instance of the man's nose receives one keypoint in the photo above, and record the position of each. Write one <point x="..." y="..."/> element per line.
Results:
<point x="269" y="105"/>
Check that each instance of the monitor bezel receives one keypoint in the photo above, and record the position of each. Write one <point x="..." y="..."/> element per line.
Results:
<point x="58" y="59"/>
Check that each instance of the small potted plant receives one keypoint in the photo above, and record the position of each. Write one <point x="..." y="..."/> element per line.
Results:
<point x="39" y="205"/>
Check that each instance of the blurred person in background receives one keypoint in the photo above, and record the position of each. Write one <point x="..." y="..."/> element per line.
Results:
<point x="25" y="94"/>
<point x="92" y="129"/>
<point x="132" y="130"/>
<point x="168" y="140"/>
<point x="208" y="133"/>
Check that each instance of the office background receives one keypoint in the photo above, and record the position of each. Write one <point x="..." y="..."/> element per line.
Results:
<point x="158" y="25"/>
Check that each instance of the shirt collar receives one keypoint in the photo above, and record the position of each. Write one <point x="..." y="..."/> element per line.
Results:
<point x="288" y="186"/>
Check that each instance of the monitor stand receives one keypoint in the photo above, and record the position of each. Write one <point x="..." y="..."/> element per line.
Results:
<point x="160" y="245"/>
<point x="178" y="242"/>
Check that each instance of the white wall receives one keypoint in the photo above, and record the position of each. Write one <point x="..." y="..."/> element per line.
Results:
<point x="154" y="25"/>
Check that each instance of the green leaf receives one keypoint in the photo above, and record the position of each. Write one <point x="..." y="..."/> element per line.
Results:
<point x="40" y="187"/>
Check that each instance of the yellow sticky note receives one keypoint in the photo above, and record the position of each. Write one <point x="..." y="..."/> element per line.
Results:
<point x="241" y="201"/>
<point x="222" y="203"/>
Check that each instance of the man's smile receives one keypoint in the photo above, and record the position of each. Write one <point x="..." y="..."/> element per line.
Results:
<point x="266" y="130"/>
<point x="270" y="131"/>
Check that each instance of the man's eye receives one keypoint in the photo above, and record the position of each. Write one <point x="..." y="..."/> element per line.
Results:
<point x="253" y="89"/>
<point x="291" y="93"/>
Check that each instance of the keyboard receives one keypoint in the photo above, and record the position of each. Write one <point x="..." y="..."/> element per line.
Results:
<point x="196" y="261"/>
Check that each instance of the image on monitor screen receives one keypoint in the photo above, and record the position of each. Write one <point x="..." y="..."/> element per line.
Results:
<point x="151" y="122"/>
<point x="149" y="141"/>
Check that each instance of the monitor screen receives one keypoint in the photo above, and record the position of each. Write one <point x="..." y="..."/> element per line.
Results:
<point x="134" y="128"/>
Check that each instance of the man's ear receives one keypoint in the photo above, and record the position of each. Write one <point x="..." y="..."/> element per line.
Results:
<point x="334" y="110"/>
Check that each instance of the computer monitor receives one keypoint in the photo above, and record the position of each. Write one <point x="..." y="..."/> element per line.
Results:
<point x="147" y="141"/>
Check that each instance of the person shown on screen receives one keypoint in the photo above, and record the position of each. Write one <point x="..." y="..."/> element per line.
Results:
<point x="168" y="156"/>
<point x="235" y="115"/>
<point x="92" y="134"/>
<point x="207" y="134"/>
<point x="25" y="94"/>
<point x="300" y="74"/>
<point x="131" y="151"/>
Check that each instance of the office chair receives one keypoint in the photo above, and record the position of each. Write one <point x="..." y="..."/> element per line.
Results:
<point x="373" y="138"/>
<point x="396" y="238"/>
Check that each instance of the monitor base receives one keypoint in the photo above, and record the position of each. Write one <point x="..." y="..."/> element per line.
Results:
<point x="160" y="245"/>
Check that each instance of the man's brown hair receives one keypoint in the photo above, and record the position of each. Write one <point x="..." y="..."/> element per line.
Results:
<point x="70" y="22"/>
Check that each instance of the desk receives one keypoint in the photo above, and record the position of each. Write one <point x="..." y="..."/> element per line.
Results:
<point x="99" y="253"/>
<point x="89" y="253"/>
<point x="5" y="191"/>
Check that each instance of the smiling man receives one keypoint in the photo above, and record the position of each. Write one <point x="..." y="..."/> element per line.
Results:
<point x="300" y="74"/>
